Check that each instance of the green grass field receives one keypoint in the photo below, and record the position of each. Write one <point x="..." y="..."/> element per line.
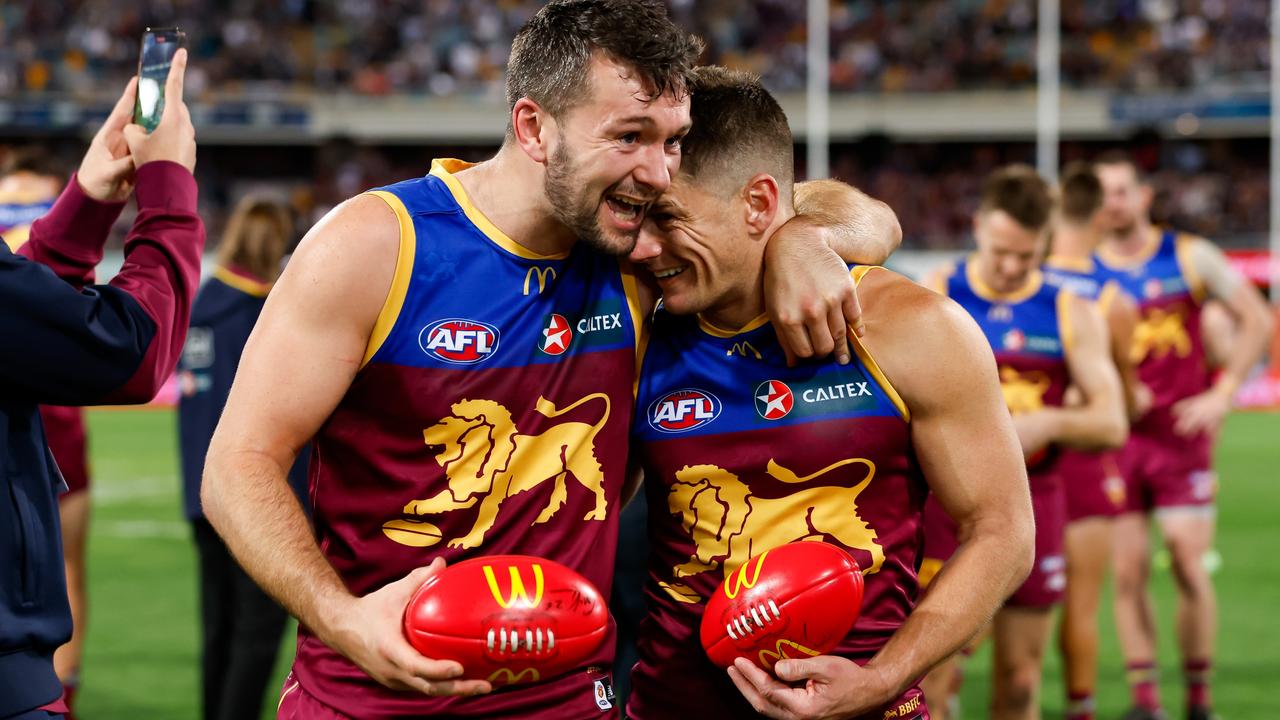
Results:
<point x="141" y="656"/>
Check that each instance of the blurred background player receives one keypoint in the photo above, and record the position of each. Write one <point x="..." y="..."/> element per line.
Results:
<point x="31" y="181"/>
<point x="241" y="626"/>
<point x="1092" y="481"/>
<point x="841" y="453"/>
<point x="1167" y="463"/>
<point x="1045" y="339"/>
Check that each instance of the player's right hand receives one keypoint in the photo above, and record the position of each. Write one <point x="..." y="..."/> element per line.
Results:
<point x="174" y="138"/>
<point x="106" y="172"/>
<point x="369" y="632"/>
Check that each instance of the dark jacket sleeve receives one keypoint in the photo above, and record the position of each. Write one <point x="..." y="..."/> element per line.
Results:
<point x="114" y="343"/>
<point x="70" y="237"/>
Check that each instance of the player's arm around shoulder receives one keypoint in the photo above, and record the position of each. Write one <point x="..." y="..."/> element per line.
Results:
<point x="299" y="362"/>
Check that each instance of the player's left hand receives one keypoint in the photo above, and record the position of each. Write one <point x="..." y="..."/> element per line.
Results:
<point x="810" y="297"/>
<point x="1201" y="413"/>
<point x="834" y="687"/>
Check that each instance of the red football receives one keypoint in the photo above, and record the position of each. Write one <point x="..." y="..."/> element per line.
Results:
<point x="508" y="618"/>
<point x="796" y="600"/>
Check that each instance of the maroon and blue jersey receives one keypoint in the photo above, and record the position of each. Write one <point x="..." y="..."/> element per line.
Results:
<point x="742" y="454"/>
<point x="491" y="416"/>
<point x="1167" y="346"/>
<point x="1027" y="331"/>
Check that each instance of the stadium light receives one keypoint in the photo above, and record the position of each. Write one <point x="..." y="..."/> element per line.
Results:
<point x="1048" y="40"/>
<point x="817" y="97"/>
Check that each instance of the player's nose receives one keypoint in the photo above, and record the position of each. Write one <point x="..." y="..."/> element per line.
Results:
<point x="647" y="246"/>
<point x="652" y="169"/>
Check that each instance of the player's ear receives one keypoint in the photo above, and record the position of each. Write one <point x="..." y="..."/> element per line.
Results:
<point x="761" y="196"/>
<point x="532" y="127"/>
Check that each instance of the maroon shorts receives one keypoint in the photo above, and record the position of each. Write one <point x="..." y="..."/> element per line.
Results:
<point x="1164" y="470"/>
<point x="1093" y="484"/>
<point x="1044" y="586"/>
<point x="298" y="704"/>
<point x="64" y="430"/>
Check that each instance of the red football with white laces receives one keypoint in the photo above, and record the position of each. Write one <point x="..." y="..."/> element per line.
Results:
<point x="508" y="619"/>
<point x="797" y="600"/>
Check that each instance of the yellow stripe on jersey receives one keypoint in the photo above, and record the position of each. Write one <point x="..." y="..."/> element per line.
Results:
<point x="631" y="288"/>
<point x="444" y="168"/>
<point x="1062" y="262"/>
<point x="390" y="311"/>
<point x="1110" y="291"/>
<point x="716" y="331"/>
<point x="1116" y="261"/>
<point x="1065" y="332"/>
<point x="1182" y="248"/>
<point x="869" y="362"/>
<point x="248" y="286"/>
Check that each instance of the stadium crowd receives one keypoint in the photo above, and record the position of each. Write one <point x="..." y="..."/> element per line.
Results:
<point x="445" y="47"/>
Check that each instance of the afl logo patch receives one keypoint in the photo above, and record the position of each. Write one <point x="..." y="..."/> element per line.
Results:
<point x="683" y="410"/>
<point x="459" y="342"/>
<point x="774" y="400"/>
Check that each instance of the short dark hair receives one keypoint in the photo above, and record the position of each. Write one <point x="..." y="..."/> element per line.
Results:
<point x="738" y="130"/>
<point x="1020" y="192"/>
<point x="1081" y="192"/>
<point x="37" y="160"/>
<point x="551" y="53"/>
<point x="1117" y="156"/>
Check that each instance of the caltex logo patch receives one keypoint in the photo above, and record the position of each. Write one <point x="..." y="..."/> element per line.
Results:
<point x="683" y="410"/>
<point x="556" y="335"/>
<point x="773" y="399"/>
<point x="458" y="341"/>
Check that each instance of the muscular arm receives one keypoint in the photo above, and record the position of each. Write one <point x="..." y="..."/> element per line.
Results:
<point x="298" y="364"/>
<point x="859" y="228"/>
<point x="1099" y="422"/>
<point x="1254" y="321"/>
<point x="1122" y="319"/>
<point x="941" y="364"/>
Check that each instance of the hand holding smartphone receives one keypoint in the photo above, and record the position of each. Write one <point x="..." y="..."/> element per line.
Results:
<point x="156" y="57"/>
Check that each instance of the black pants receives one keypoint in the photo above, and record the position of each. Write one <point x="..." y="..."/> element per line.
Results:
<point x="242" y="629"/>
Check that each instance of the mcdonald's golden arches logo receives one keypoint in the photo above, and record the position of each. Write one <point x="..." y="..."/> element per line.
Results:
<point x="738" y="581"/>
<point x="519" y="594"/>
<point x="505" y="676"/>
<point x="783" y="651"/>
<point x="742" y="349"/>
<point x="542" y="275"/>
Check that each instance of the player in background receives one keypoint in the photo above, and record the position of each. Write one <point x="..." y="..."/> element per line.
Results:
<point x="1045" y="339"/>
<point x="413" y="318"/>
<point x="1167" y="463"/>
<point x="29" y="184"/>
<point x="1092" y="480"/>
<point x="820" y="451"/>
<point x="241" y="626"/>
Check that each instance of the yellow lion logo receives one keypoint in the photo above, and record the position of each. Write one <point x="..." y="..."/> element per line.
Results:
<point x="486" y="460"/>
<point x="1023" y="393"/>
<point x="728" y="524"/>
<point x="1160" y="333"/>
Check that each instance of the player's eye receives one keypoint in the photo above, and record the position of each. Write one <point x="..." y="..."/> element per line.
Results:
<point x="674" y="142"/>
<point x="630" y="138"/>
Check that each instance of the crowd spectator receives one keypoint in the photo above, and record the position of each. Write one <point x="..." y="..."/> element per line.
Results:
<point x="446" y="47"/>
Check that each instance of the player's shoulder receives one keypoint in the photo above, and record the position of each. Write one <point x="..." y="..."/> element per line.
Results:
<point x="419" y="196"/>
<point x="900" y="307"/>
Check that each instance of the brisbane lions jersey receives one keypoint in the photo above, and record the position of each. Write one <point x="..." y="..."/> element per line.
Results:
<point x="1167" y="346"/>
<point x="491" y="416"/>
<point x="1028" y="332"/>
<point x="742" y="454"/>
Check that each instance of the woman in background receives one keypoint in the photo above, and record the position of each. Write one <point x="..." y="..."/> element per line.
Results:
<point x="241" y="626"/>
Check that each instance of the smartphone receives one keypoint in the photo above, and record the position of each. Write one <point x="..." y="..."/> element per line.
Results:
<point x="158" y="48"/>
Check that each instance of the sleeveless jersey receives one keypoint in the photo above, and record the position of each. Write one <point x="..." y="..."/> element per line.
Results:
<point x="1167" y="347"/>
<point x="491" y="416"/>
<point x="742" y="454"/>
<point x="1027" y="331"/>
